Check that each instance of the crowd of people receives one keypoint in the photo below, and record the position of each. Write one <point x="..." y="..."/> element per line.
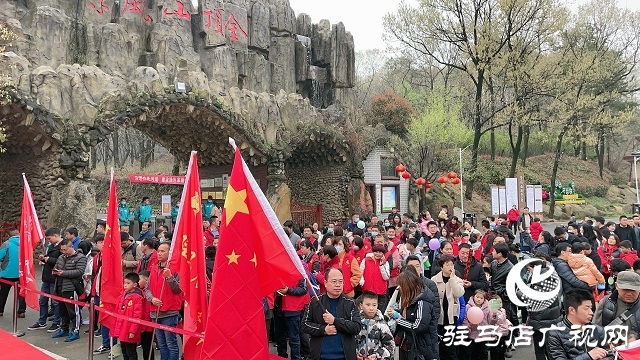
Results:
<point x="376" y="288"/>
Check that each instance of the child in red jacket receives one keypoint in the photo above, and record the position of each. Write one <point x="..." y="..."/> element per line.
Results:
<point x="627" y="253"/>
<point x="535" y="229"/>
<point x="130" y="305"/>
<point x="146" y="332"/>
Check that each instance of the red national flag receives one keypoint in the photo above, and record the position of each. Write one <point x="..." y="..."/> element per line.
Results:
<point x="111" y="271"/>
<point x="186" y="257"/>
<point x="254" y="258"/>
<point x="30" y="236"/>
<point x="630" y="351"/>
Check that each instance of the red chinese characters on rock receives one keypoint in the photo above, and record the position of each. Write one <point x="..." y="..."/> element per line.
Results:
<point x="100" y="8"/>
<point x="179" y="13"/>
<point x="231" y="24"/>
<point x="133" y="6"/>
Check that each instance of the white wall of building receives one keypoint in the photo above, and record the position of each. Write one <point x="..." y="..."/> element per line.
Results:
<point x="372" y="176"/>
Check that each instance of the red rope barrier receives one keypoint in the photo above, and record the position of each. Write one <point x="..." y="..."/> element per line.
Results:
<point x="111" y="313"/>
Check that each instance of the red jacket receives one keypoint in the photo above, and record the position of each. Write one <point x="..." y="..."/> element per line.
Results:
<point x="208" y="237"/>
<point x="629" y="257"/>
<point x="535" y="229"/>
<point x="170" y="301"/>
<point x="146" y="313"/>
<point x="333" y="263"/>
<point x="130" y="305"/>
<point x="513" y="215"/>
<point x="296" y="298"/>
<point x="153" y="259"/>
<point x="456" y="246"/>
<point x="605" y="251"/>
<point x="373" y="280"/>
<point x="350" y="272"/>
<point x="389" y="256"/>
<point x="361" y="253"/>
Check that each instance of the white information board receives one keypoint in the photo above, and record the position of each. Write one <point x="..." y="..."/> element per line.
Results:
<point x="502" y="195"/>
<point x="166" y="205"/>
<point x="531" y="201"/>
<point x="495" y="201"/>
<point x="511" y="185"/>
<point x="537" y="192"/>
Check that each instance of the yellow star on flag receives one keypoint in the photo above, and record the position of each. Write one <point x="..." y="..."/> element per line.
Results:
<point x="254" y="260"/>
<point x="195" y="204"/>
<point x="235" y="203"/>
<point x="233" y="257"/>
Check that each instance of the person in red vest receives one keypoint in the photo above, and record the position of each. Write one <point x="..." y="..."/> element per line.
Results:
<point x="130" y="305"/>
<point x="392" y="255"/>
<point x="375" y="274"/>
<point x="289" y="304"/>
<point x="360" y="248"/>
<point x="330" y="259"/>
<point x="309" y="258"/>
<point x="149" y="254"/>
<point x="392" y="235"/>
<point x="348" y="264"/>
<point x="166" y="304"/>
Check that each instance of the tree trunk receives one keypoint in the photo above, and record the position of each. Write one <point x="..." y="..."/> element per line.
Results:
<point x="600" y="153"/>
<point x="492" y="140"/>
<point x="477" y="134"/>
<point x="515" y="149"/>
<point x="176" y="166"/>
<point x="554" y="173"/>
<point x="525" y="150"/>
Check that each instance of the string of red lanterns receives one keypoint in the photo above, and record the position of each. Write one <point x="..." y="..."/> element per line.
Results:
<point x="451" y="176"/>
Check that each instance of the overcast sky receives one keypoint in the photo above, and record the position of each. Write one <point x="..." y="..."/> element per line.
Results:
<point x="363" y="18"/>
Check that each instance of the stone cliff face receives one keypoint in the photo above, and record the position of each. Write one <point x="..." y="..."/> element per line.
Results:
<point x="250" y="69"/>
<point x="255" y="45"/>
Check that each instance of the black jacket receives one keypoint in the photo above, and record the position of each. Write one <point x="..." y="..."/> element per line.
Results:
<point x="627" y="233"/>
<point x="347" y="323"/>
<point x="504" y="231"/>
<point x="420" y="321"/>
<point x="606" y="312"/>
<point x="53" y="252"/>
<point x="544" y="248"/>
<point x="499" y="273"/>
<point x="561" y="345"/>
<point x="476" y="276"/>
<point x="431" y="286"/>
<point x="73" y="268"/>
<point x="569" y="279"/>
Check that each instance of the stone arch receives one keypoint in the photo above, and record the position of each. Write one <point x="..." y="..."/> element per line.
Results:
<point x="182" y="123"/>
<point x="33" y="147"/>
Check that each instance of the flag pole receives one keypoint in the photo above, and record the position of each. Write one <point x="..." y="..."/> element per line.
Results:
<point x="153" y="333"/>
<point x="315" y="294"/>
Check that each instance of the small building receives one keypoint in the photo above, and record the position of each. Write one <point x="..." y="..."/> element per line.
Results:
<point x="386" y="188"/>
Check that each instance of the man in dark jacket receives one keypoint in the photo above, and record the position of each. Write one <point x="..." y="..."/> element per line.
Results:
<point x="48" y="261"/>
<point x="624" y="297"/>
<point x="471" y="272"/>
<point x="68" y="271"/>
<point x="333" y="322"/>
<point x="503" y="230"/>
<point x="561" y="344"/>
<point x="563" y="236"/>
<point x="626" y="232"/>
<point x="429" y="284"/>
<point x="500" y="268"/>
<point x="569" y="279"/>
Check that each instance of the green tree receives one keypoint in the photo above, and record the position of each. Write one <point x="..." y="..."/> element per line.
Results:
<point x="593" y="73"/>
<point x="469" y="36"/>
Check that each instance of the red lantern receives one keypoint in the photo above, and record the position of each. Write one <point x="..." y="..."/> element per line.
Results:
<point x="428" y="186"/>
<point x="442" y="180"/>
<point x="455" y="181"/>
<point x="420" y="182"/>
<point x="406" y="175"/>
<point x="400" y="169"/>
<point x="452" y="175"/>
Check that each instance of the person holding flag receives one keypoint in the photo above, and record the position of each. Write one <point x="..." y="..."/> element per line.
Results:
<point x="247" y="268"/>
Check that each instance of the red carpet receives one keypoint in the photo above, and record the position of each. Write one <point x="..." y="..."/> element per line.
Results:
<point x="15" y="348"/>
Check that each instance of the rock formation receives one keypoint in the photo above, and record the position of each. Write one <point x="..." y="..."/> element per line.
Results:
<point x="247" y="69"/>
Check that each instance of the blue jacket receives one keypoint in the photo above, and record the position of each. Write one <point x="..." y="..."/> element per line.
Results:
<point x="143" y="213"/>
<point x="76" y="242"/>
<point x="174" y="213"/>
<point x="124" y="214"/>
<point x="208" y="206"/>
<point x="10" y="258"/>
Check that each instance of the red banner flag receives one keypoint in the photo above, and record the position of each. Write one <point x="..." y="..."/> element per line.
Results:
<point x="186" y="257"/>
<point x="111" y="272"/>
<point x="255" y="258"/>
<point x="30" y="235"/>
<point x="630" y="351"/>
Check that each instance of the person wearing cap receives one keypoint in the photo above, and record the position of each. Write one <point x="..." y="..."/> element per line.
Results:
<point x="624" y="297"/>
<point x="375" y="274"/>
